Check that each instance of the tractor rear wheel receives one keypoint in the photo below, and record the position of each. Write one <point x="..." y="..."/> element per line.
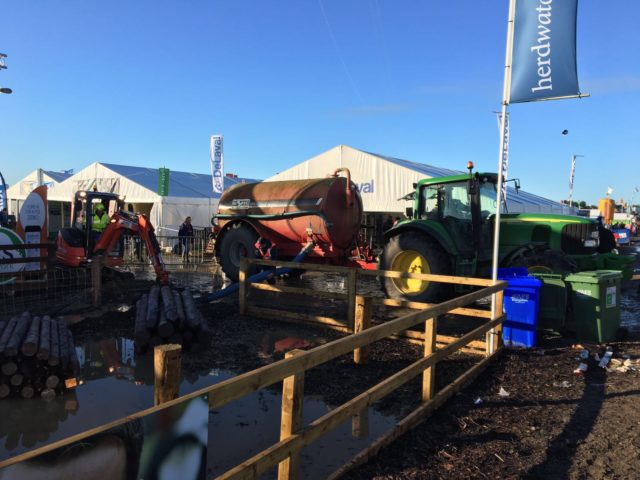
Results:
<point x="237" y="243"/>
<point x="544" y="261"/>
<point x="414" y="253"/>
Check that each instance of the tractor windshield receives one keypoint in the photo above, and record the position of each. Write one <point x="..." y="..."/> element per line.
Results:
<point x="449" y="200"/>
<point x="487" y="199"/>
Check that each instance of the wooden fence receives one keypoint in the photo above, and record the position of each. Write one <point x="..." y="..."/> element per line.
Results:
<point x="291" y="370"/>
<point x="46" y="257"/>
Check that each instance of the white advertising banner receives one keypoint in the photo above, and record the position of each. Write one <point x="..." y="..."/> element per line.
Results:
<point x="505" y="153"/>
<point x="217" y="163"/>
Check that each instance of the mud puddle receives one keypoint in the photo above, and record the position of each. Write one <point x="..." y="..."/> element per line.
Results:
<point x="115" y="382"/>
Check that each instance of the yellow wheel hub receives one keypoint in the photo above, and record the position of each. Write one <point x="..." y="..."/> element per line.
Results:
<point x="410" y="261"/>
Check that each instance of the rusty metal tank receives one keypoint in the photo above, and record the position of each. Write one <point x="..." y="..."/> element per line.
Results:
<point x="286" y="212"/>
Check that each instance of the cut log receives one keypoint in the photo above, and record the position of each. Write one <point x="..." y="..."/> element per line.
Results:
<point x="169" y="304"/>
<point x="52" y="381"/>
<point x="5" y="390"/>
<point x="193" y="315"/>
<point x="177" y="299"/>
<point x="48" y="394"/>
<point x="141" y="334"/>
<point x="27" y="391"/>
<point x="54" y="352"/>
<point x="17" y="335"/>
<point x="31" y="341"/>
<point x="165" y="328"/>
<point x="30" y="368"/>
<point x="63" y="340"/>
<point x="6" y="334"/>
<point x="153" y="306"/>
<point x="45" y="338"/>
<point x="16" y="379"/>
<point x="9" y="367"/>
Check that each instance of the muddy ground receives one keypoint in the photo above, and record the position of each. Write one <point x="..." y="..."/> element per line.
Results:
<point x="554" y="423"/>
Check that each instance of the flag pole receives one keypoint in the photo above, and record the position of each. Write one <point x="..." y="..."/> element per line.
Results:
<point x="503" y="125"/>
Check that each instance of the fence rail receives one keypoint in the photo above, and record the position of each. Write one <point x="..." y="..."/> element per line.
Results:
<point x="175" y="250"/>
<point x="290" y="370"/>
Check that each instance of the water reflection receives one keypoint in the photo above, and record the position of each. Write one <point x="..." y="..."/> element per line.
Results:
<point x="114" y="382"/>
<point x="118" y="382"/>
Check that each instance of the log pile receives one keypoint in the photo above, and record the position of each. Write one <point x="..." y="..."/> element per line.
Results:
<point x="37" y="357"/>
<point x="165" y="315"/>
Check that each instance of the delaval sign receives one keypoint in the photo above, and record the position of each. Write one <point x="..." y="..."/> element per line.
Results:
<point x="217" y="164"/>
<point x="544" y="50"/>
<point x="365" y="187"/>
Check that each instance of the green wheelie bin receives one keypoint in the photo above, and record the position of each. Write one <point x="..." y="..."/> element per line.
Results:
<point x="553" y="302"/>
<point x="595" y="304"/>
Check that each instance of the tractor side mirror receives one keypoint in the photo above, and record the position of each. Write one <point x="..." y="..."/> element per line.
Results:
<point x="409" y="212"/>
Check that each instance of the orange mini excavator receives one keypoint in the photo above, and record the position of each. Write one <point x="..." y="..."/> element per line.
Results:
<point x="77" y="245"/>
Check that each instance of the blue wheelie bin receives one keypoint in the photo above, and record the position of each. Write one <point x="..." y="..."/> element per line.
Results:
<point x="521" y="305"/>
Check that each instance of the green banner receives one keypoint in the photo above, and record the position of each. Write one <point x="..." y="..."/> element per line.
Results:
<point x="163" y="182"/>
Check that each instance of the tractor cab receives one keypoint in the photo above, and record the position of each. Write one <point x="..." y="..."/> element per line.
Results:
<point x="464" y="207"/>
<point x="76" y="243"/>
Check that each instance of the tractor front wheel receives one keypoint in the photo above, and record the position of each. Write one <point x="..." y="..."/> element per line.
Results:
<point x="412" y="252"/>
<point x="237" y="243"/>
<point x="544" y="261"/>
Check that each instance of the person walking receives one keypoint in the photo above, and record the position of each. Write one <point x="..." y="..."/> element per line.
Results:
<point x="185" y="237"/>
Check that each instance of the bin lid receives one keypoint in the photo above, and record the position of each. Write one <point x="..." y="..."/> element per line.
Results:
<point x="522" y="281"/>
<point x="547" y="276"/>
<point x="595" y="276"/>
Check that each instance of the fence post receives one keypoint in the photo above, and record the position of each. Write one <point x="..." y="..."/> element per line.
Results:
<point x="429" y="375"/>
<point x="494" y="336"/>
<point x="96" y="280"/>
<point x="291" y="420"/>
<point x="363" y="314"/>
<point x="364" y="311"/>
<point x="242" y="287"/>
<point x="167" y="369"/>
<point x="351" y="297"/>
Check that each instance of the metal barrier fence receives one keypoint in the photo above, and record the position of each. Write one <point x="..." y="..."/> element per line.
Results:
<point x="40" y="286"/>
<point x="175" y="250"/>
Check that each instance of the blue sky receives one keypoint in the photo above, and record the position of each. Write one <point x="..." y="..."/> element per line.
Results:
<point x="147" y="82"/>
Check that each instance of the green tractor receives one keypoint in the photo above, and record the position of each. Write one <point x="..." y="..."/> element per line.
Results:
<point x="449" y="231"/>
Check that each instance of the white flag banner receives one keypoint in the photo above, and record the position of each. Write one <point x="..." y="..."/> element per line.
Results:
<point x="571" y="177"/>
<point x="505" y="154"/>
<point x="217" y="163"/>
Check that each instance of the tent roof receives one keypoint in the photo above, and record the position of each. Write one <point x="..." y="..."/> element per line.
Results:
<point x="520" y="197"/>
<point x="423" y="168"/>
<point x="57" y="176"/>
<point x="181" y="184"/>
<point x="365" y="165"/>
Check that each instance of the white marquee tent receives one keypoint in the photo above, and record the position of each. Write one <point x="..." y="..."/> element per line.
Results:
<point x="190" y="194"/>
<point x="19" y="190"/>
<point x="383" y="180"/>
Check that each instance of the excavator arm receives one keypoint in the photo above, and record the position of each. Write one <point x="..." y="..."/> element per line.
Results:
<point x="139" y="224"/>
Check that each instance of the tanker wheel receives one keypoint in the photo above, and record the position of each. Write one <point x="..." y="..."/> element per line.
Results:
<point x="544" y="261"/>
<point x="237" y="243"/>
<point x="414" y="253"/>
